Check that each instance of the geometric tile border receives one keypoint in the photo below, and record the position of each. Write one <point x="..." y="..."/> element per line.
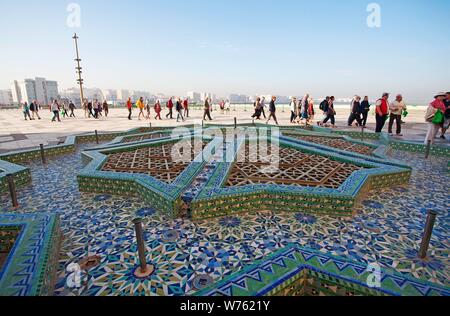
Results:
<point x="295" y="271"/>
<point x="31" y="266"/>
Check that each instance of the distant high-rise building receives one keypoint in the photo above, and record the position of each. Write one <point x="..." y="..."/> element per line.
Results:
<point x="123" y="95"/>
<point x="6" y="97"/>
<point x="238" y="98"/>
<point x="194" y="96"/>
<point x="52" y="91"/>
<point x="37" y="89"/>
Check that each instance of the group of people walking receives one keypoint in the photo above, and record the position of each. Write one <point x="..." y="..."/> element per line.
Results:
<point x="144" y="107"/>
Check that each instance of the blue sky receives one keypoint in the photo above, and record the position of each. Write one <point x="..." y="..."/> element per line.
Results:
<point x="283" y="47"/>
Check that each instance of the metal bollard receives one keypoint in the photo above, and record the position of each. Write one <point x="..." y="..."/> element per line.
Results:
<point x="235" y="123"/>
<point x="150" y="126"/>
<point x="362" y="133"/>
<point x="431" y="219"/>
<point x="428" y="149"/>
<point x="12" y="190"/>
<point x="144" y="270"/>
<point x="96" y="136"/>
<point x="44" y="161"/>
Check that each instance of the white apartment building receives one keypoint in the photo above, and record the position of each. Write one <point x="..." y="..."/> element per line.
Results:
<point x="16" y="93"/>
<point x="34" y="89"/>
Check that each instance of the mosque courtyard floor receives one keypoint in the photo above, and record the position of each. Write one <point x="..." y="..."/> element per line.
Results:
<point x="387" y="230"/>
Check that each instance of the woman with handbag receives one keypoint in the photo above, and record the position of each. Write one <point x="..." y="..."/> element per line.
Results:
<point x="435" y="117"/>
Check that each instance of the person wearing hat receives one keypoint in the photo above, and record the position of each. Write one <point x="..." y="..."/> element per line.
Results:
<point x="446" y="115"/>
<point x="382" y="112"/>
<point x="430" y="117"/>
<point x="397" y="107"/>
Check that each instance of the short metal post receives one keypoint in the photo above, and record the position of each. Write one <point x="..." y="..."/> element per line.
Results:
<point x="96" y="136"/>
<point x="235" y="123"/>
<point x="428" y="149"/>
<point x="12" y="190"/>
<point x="362" y="133"/>
<point x="431" y="219"/>
<point x="44" y="161"/>
<point x="140" y="241"/>
<point x="150" y="126"/>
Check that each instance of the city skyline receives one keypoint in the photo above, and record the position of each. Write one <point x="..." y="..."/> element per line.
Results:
<point x="295" y="47"/>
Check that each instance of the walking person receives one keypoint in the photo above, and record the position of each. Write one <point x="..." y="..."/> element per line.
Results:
<point x="141" y="105"/>
<point x="311" y="111"/>
<point x="446" y="125"/>
<point x="186" y="107"/>
<point x="99" y="109"/>
<point x="147" y="108"/>
<point x="365" y="108"/>
<point x="179" y="109"/>
<point x="170" y="107"/>
<point x="382" y="112"/>
<point x="304" y="104"/>
<point x="324" y="108"/>
<point x="158" y="109"/>
<point x="85" y="108"/>
<point x="272" y="111"/>
<point x="89" y="107"/>
<point x="26" y="111"/>
<point x="397" y="107"/>
<point x="130" y="108"/>
<point x="105" y="108"/>
<point x="95" y="108"/>
<point x="207" y="110"/>
<point x="355" y="114"/>
<point x="263" y="107"/>
<point x="72" y="109"/>
<point x="435" y="117"/>
<point x="293" y="106"/>
<point x="55" y="109"/>
<point x="64" y="110"/>
<point x="34" y="108"/>
<point x="257" y="106"/>
<point x="331" y="113"/>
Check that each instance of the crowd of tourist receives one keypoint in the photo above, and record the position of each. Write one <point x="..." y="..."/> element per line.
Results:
<point x="302" y="111"/>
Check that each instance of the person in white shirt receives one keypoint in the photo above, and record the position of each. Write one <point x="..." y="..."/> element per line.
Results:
<point x="396" y="108"/>
<point x="55" y="109"/>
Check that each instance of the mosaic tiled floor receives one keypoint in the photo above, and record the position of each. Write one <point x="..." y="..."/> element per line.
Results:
<point x="387" y="230"/>
<point x="295" y="168"/>
<point x="333" y="142"/>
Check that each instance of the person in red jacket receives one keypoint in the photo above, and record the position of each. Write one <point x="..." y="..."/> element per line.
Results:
<point x="170" y="107"/>
<point x="157" y="109"/>
<point x="186" y="107"/>
<point x="129" y="107"/>
<point x="382" y="112"/>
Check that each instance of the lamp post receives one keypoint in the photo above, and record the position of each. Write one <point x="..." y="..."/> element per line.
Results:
<point x="79" y="68"/>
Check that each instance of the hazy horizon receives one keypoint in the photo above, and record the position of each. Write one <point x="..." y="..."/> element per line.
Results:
<point x="275" y="47"/>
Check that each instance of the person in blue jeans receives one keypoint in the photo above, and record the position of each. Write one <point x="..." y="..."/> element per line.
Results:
<point x="26" y="111"/>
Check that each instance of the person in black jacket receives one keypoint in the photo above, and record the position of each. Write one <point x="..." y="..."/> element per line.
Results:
<point x="324" y="108"/>
<point x="272" y="111"/>
<point x="355" y="114"/>
<point x="365" y="108"/>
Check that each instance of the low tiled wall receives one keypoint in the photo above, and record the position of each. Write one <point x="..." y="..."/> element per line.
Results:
<point x="300" y="271"/>
<point x="31" y="266"/>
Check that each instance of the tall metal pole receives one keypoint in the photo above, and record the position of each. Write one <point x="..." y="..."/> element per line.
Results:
<point x="79" y="69"/>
